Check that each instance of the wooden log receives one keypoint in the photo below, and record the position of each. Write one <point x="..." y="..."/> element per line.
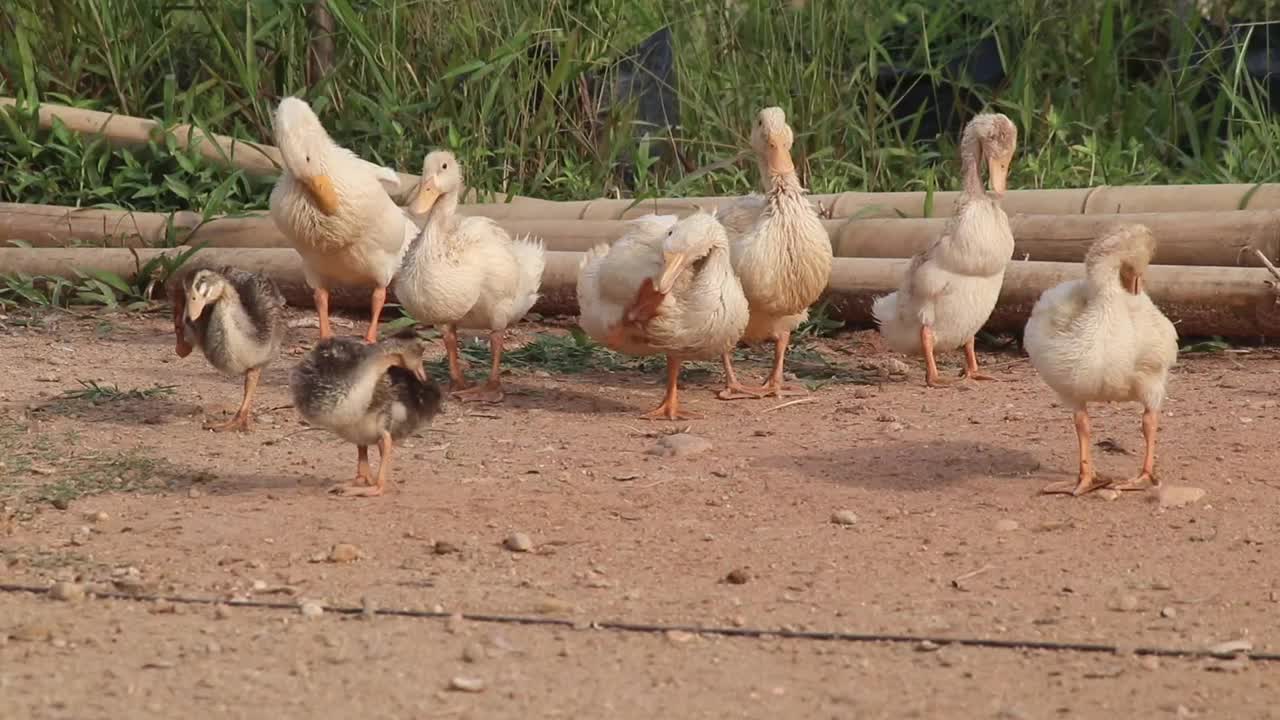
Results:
<point x="264" y="159"/>
<point x="1100" y="200"/>
<point x="254" y="158"/>
<point x="1227" y="301"/>
<point x="1198" y="238"/>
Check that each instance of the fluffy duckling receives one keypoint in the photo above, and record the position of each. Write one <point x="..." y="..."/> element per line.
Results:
<point x="465" y="272"/>
<point x="951" y="288"/>
<point x="667" y="287"/>
<point x="1101" y="339"/>
<point x="781" y="252"/>
<point x="335" y="210"/>
<point x="236" y="318"/>
<point x="368" y="395"/>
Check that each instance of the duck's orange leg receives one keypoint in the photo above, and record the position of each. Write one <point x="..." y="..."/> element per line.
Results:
<point x="243" y="419"/>
<point x="321" y="296"/>
<point x="1087" y="480"/>
<point x="670" y="407"/>
<point x="457" y="380"/>
<point x="734" y="390"/>
<point x="971" y="371"/>
<point x="1146" y="478"/>
<point x="491" y="391"/>
<point x="376" y="301"/>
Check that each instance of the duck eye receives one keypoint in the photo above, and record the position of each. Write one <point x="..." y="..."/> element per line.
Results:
<point x="308" y="158"/>
<point x="444" y="166"/>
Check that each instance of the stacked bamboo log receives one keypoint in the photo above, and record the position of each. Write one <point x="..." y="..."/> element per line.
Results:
<point x="1208" y="277"/>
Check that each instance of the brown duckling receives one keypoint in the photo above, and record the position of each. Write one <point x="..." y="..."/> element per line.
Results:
<point x="368" y="395"/>
<point x="236" y="318"/>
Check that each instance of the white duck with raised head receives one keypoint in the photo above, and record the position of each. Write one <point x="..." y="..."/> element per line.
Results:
<point x="465" y="272"/>
<point x="950" y="289"/>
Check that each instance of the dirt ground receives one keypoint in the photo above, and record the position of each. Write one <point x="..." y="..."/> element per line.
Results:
<point x="120" y="489"/>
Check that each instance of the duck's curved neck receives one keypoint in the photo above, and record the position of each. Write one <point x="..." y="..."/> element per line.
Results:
<point x="444" y="209"/>
<point x="775" y="184"/>
<point x="971" y="165"/>
<point x="437" y="220"/>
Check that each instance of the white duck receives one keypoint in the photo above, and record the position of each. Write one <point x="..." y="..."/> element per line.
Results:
<point x="1101" y="339"/>
<point x="335" y="210"/>
<point x="781" y="253"/>
<point x="465" y="272"/>
<point x="667" y="287"/>
<point x="951" y="288"/>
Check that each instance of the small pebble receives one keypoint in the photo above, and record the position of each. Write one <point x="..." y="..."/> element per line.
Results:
<point x="344" y="553"/>
<point x="32" y="632"/>
<point x="927" y="646"/>
<point x="1168" y="613"/>
<point x="463" y="683"/>
<point x="1176" y="496"/>
<point x="680" y="445"/>
<point x="738" y="576"/>
<point x="1108" y="494"/>
<point x="67" y="591"/>
<point x="1125" y="603"/>
<point x="60" y="503"/>
<point x="194" y="493"/>
<point x="444" y="547"/>
<point x="518" y="542"/>
<point x="311" y="609"/>
<point x="1231" y="647"/>
<point x="844" y="517"/>
<point x="456" y="623"/>
<point x="1149" y="662"/>
<point x="221" y="612"/>
<point x="1006" y="525"/>
<point x="259" y="585"/>
<point x="473" y="652"/>
<point x="679" y="636"/>
<point x="99" y="517"/>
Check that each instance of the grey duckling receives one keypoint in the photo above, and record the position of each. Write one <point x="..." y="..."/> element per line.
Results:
<point x="367" y="394"/>
<point x="236" y="318"/>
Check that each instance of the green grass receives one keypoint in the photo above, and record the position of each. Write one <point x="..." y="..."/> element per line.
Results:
<point x="1088" y="87"/>
<point x="576" y="353"/>
<point x="47" y="468"/>
<point x="98" y="394"/>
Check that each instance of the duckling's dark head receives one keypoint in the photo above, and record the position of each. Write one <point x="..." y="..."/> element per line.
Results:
<point x="405" y="350"/>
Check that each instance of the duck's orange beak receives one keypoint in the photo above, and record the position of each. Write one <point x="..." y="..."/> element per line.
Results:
<point x="425" y="197"/>
<point x="999" y="172"/>
<point x="320" y="189"/>
<point x="778" y="158"/>
<point x="674" y="263"/>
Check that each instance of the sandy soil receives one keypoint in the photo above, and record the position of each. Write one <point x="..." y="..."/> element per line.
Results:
<point x="952" y="540"/>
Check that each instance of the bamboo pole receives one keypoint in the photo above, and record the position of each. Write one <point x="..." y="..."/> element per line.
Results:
<point x="1100" y="200"/>
<point x="1231" y="302"/>
<point x="262" y="159"/>
<point x="1198" y="238"/>
<point x="254" y="158"/>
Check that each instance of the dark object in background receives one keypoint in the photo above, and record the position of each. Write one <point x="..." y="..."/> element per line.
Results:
<point x="944" y="103"/>
<point x="645" y="76"/>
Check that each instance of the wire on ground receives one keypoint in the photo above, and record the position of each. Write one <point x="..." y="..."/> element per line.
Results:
<point x="732" y="632"/>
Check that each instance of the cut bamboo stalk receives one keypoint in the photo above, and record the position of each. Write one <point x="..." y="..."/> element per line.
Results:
<point x="263" y="159"/>
<point x="1197" y="238"/>
<point x="254" y="158"/>
<point x="1227" y="301"/>
<point x="1100" y="200"/>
